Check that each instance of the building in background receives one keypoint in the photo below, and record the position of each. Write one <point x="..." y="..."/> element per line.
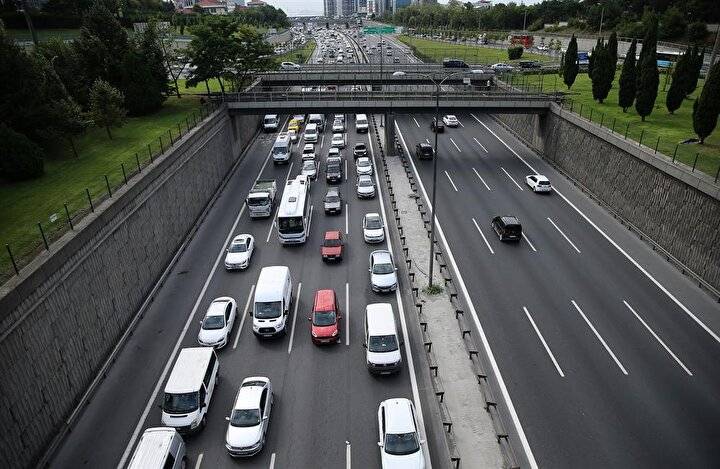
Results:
<point x="397" y="4"/>
<point x="329" y="8"/>
<point x="481" y="4"/>
<point x="256" y="3"/>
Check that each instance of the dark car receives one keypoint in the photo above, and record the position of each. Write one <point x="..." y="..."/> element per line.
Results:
<point x="454" y="63"/>
<point x="529" y="64"/>
<point x="508" y="228"/>
<point x="333" y="170"/>
<point x="423" y="151"/>
<point x="360" y="150"/>
<point x="437" y="126"/>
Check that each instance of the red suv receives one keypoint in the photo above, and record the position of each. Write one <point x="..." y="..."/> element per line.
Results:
<point x="332" y="246"/>
<point x="325" y="318"/>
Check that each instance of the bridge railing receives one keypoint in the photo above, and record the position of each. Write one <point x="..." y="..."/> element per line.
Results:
<point x="275" y="96"/>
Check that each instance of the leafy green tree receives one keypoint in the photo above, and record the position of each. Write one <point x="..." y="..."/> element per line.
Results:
<point x="694" y="65"/>
<point x="106" y="106"/>
<point x="602" y="74"/>
<point x="251" y="53"/>
<point x="211" y="50"/>
<point x="648" y="76"/>
<point x="697" y="32"/>
<point x="672" y="23"/>
<point x="707" y="107"/>
<point x="515" y="52"/>
<point x="628" y="78"/>
<point x="20" y="157"/>
<point x="73" y="123"/>
<point x="677" y="92"/>
<point x="570" y="64"/>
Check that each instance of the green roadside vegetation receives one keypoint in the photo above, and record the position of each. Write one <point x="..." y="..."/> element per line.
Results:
<point x="43" y="34"/>
<point x="25" y="203"/>
<point x="434" y="52"/>
<point x="292" y="56"/>
<point x="200" y="89"/>
<point x="670" y="128"/>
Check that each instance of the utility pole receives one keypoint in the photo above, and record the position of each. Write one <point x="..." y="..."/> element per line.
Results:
<point x="22" y="7"/>
<point x="602" y="16"/>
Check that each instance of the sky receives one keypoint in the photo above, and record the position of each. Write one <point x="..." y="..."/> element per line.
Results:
<point x="315" y="7"/>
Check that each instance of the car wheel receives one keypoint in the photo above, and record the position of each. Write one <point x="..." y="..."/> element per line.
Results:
<point x="203" y="423"/>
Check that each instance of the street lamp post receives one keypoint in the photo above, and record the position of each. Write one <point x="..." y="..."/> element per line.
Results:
<point x="602" y="16"/>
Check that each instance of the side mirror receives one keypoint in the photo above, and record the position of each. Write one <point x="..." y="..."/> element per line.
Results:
<point x="250" y="312"/>
<point x="265" y="418"/>
<point x="369" y="270"/>
<point x="364" y="345"/>
<point x="227" y="418"/>
<point x="203" y="405"/>
<point x="309" y="318"/>
<point x="200" y="322"/>
<point x="422" y="442"/>
<point x="380" y="444"/>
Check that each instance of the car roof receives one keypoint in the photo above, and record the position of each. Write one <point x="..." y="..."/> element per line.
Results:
<point x="189" y="370"/>
<point x="333" y="191"/>
<point x="364" y="177"/>
<point x="372" y="215"/>
<point x="217" y="307"/>
<point x="424" y="145"/>
<point x="399" y="416"/>
<point x="381" y="256"/>
<point x="324" y="300"/>
<point x="540" y="177"/>
<point x="360" y="144"/>
<point x="380" y="318"/>
<point x="241" y="238"/>
<point x="153" y="448"/>
<point x="248" y="397"/>
<point x="333" y="234"/>
<point x="510" y="220"/>
<point x="363" y="158"/>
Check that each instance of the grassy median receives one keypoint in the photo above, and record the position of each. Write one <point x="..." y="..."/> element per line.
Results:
<point x="434" y="52"/>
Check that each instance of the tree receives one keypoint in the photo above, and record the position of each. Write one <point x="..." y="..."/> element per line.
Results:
<point x="707" y="107"/>
<point x="211" y="49"/>
<point x="20" y="157"/>
<point x="648" y="76"/>
<point x="570" y="64"/>
<point x="144" y="76"/>
<point x="73" y="123"/>
<point x="251" y="53"/>
<point x="697" y="32"/>
<point x="106" y="106"/>
<point x="515" y="52"/>
<point x="628" y="78"/>
<point x="591" y="56"/>
<point x="694" y="65"/>
<point x="602" y="74"/>
<point x="677" y="92"/>
<point x="672" y="23"/>
<point x="612" y="48"/>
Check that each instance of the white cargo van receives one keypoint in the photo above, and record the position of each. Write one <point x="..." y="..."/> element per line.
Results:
<point x="382" y="344"/>
<point x="189" y="389"/>
<point x="361" y="123"/>
<point x="281" y="150"/>
<point x="272" y="302"/>
<point x="318" y="119"/>
<point x="311" y="133"/>
<point x="270" y="122"/>
<point x="159" y="448"/>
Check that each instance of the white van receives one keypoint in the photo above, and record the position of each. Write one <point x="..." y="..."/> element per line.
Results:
<point x="281" y="150"/>
<point x="382" y="344"/>
<point x="270" y="122"/>
<point x="318" y="119"/>
<point x="311" y="133"/>
<point x="159" y="448"/>
<point x="189" y="389"/>
<point x="361" y="123"/>
<point x="272" y="302"/>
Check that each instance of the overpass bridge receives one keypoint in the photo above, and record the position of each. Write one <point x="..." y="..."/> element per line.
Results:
<point x="374" y="75"/>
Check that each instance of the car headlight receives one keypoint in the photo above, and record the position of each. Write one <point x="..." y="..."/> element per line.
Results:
<point x="335" y="332"/>
<point x="314" y="334"/>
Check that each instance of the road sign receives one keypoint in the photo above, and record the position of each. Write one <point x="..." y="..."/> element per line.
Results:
<point x="379" y="30"/>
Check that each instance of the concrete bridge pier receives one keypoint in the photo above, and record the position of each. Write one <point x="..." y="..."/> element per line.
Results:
<point x="389" y="141"/>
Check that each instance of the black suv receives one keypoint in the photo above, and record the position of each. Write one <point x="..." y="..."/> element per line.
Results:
<point x="423" y="151"/>
<point x="437" y="126"/>
<point x="333" y="170"/>
<point x="529" y="64"/>
<point x="508" y="228"/>
<point x="454" y="63"/>
<point x="360" y="150"/>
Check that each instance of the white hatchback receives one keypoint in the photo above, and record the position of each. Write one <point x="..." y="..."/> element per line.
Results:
<point x="373" y="228"/>
<point x="338" y="140"/>
<point x="250" y="416"/>
<point x="218" y="322"/>
<point x="538" y="183"/>
<point x="363" y="166"/>
<point x="451" y="121"/>
<point x="400" y="442"/>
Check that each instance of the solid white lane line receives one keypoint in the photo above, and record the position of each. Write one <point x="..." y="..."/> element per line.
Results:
<point x="272" y="461"/>
<point x="632" y="260"/>
<point x="346" y="171"/>
<point x="292" y="328"/>
<point x="528" y="241"/>
<point x="453" y="142"/>
<point x="322" y="141"/>
<point x="667" y="349"/>
<point x="427" y="141"/>
<point x="563" y="235"/>
<point x="599" y="337"/>
<point x="272" y="225"/>
<point x="309" y="222"/>
<point x="511" y="178"/>
<point x="481" y="179"/>
<point x="347" y="225"/>
<point x="244" y="315"/>
<point x="401" y="310"/>
<point x="532" y="463"/>
<point x="542" y="339"/>
<point x="287" y="178"/>
<point x="483" y="237"/>
<point x="451" y="181"/>
<point x="199" y="461"/>
<point x="461" y="124"/>
<point x="348" y="462"/>
<point x="347" y="313"/>
<point x="416" y="122"/>
<point x="481" y="145"/>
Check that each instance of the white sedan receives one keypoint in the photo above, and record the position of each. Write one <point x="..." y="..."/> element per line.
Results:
<point x="289" y="66"/>
<point x="383" y="273"/>
<point x="400" y="443"/>
<point x="451" y="121"/>
<point x="338" y="126"/>
<point x="373" y="228"/>
<point x="218" y="322"/>
<point x="538" y="183"/>
<point x="363" y="166"/>
<point x="310" y="169"/>
<point x="248" y="422"/>
<point x="338" y="140"/>
<point x="240" y="251"/>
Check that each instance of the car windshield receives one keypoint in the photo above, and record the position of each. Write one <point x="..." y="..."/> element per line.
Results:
<point x="333" y="168"/>
<point x="363" y="163"/>
<point x="309" y="166"/>
<point x="373" y="223"/>
<point x="382" y="343"/>
<point x="238" y="247"/>
<point x="360" y="147"/>
<point x="401" y="443"/>
<point x="290" y="225"/>
<point x="365" y="183"/>
<point x="324" y="318"/>
<point x="180" y="403"/>
<point x="213" y="322"/>
<point x="332" y="243"/>
<point x="383" y="269"/>
<point x="332" y="198"/>
<point x="245" y="417"/>
<point x="267" y="309"/>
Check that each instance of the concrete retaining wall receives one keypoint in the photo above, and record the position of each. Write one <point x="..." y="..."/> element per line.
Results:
<point x="677" y="209"/>
<point x="61" y="319"/>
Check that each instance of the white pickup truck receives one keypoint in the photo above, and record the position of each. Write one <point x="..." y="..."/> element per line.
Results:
<point x="261" y="199"/>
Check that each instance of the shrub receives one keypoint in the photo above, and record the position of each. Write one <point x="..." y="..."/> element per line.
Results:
<point x="515" y="52"/>
<point x="20" y="158"/>
<point x="697" y="32"/>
